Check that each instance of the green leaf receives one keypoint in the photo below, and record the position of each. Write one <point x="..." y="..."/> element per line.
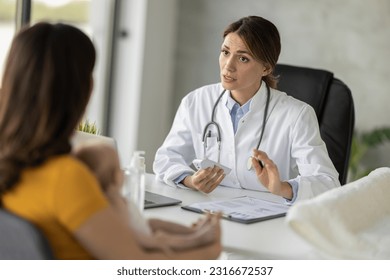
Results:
<point x="362" y="142"/>
<point x="88" y="127"/>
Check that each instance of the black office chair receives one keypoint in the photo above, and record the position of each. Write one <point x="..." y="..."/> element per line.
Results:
<point x="333" y="104"/>
<point x="21" y="240"/>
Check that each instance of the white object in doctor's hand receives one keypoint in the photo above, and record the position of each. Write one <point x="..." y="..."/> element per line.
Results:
<point x="207" y="131"/>
<point x="205" y="163"/>
<point x="249" y="163"/>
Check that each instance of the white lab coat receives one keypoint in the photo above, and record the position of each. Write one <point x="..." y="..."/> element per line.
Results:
<point x="291" y="139"/>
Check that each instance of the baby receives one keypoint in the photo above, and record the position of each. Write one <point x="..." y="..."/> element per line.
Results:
<point x="103" y="161"/>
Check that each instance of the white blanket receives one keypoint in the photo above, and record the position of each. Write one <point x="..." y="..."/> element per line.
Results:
<point x="350" y="222"/>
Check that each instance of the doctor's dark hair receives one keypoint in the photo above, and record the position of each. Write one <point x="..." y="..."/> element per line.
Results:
<point x="46" y="86"/>
<point x="262" y="39"/>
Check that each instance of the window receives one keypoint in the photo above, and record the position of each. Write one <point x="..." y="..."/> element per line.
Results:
<point x="7" y="30"/>
<point x="74" y="12"/>
<point x="94" y="17"/>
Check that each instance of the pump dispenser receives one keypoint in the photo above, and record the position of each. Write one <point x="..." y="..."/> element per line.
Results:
<point x="134" y="188"/>
<point x="139" y="156"/>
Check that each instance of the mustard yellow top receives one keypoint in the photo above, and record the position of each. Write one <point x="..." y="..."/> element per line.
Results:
<point x="57" y="197"/>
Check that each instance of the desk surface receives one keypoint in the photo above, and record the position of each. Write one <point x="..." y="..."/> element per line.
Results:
<point x="270" y="239"/>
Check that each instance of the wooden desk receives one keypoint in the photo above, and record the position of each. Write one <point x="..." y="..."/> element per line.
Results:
<point x="271" y="239"/>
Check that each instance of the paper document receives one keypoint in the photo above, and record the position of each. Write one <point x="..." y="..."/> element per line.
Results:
<point x="243" y="209"/>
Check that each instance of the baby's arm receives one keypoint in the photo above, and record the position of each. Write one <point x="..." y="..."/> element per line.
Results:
<point x="169" y="227"/>
<point x="179" y="237"/>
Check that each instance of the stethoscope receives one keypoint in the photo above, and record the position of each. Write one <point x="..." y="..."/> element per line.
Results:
<point x="207" y="131"/>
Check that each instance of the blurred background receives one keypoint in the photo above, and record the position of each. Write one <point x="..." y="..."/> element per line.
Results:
<point x="153" y="52"/>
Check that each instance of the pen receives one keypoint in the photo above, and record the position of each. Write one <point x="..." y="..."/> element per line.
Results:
<point x="223" y="215"/>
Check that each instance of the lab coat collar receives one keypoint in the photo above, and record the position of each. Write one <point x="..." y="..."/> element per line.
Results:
<point x="230" y="103"/>
<point x="259" y="99"/>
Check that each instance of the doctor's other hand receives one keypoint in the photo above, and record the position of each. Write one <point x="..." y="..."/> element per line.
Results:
<point x="205" y="180"/>
<point x="268" y="175"/>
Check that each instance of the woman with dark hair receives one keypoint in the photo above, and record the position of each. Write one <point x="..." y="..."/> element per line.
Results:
<point x="46" y="87"/>
<point x="269" y="141"/>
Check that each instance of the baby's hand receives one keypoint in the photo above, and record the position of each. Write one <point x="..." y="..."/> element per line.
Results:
<point x="208" y="230"/>
<point x="201" y="222"/>
<point x="206" y="220"/>
<point x="159" y="241"/>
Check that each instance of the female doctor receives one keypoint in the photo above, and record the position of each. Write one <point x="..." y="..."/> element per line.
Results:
<point x="269" y="140"/>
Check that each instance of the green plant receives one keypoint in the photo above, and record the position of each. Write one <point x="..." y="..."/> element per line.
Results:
<point x="86" y="126"/>
<point x="362" y="142"/>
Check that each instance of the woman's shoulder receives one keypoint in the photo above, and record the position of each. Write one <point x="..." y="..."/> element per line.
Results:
<point x="205" y="90"/>
<point x="293" y="109"/>
<point x="67" y="174"/>
<point x="289" y="102"/>
<point x="67" y="160"/>
<point x="55" y="175"/>
<point x="66" y="166"/>
<point x="211" y="91"/>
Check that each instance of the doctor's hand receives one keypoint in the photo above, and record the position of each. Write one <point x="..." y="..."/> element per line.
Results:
<point x="268" y="175"/>
<point x="205" y="180"/>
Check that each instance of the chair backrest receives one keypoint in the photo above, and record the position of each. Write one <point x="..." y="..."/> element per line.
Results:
<point x="21" y="240"/>
<point x="333" y="104"/>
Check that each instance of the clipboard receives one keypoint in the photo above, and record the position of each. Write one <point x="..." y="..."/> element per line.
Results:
<point x="244" y="209"/>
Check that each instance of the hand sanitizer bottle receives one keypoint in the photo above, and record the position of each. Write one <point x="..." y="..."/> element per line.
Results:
<point x="134" y="188"/>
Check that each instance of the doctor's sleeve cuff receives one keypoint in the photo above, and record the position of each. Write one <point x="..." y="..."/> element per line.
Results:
<point x="294" y="186"/>
<point x="178" y="180"/>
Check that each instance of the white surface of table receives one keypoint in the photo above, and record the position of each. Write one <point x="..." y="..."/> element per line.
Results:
<point x="270" y="239"/>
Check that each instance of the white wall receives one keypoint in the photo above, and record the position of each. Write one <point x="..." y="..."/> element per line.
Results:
<point x="157" y="81"/>
<point x="127" y="77"/>
<point x="141" y="110"/>
<point x="100" y="29"/>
